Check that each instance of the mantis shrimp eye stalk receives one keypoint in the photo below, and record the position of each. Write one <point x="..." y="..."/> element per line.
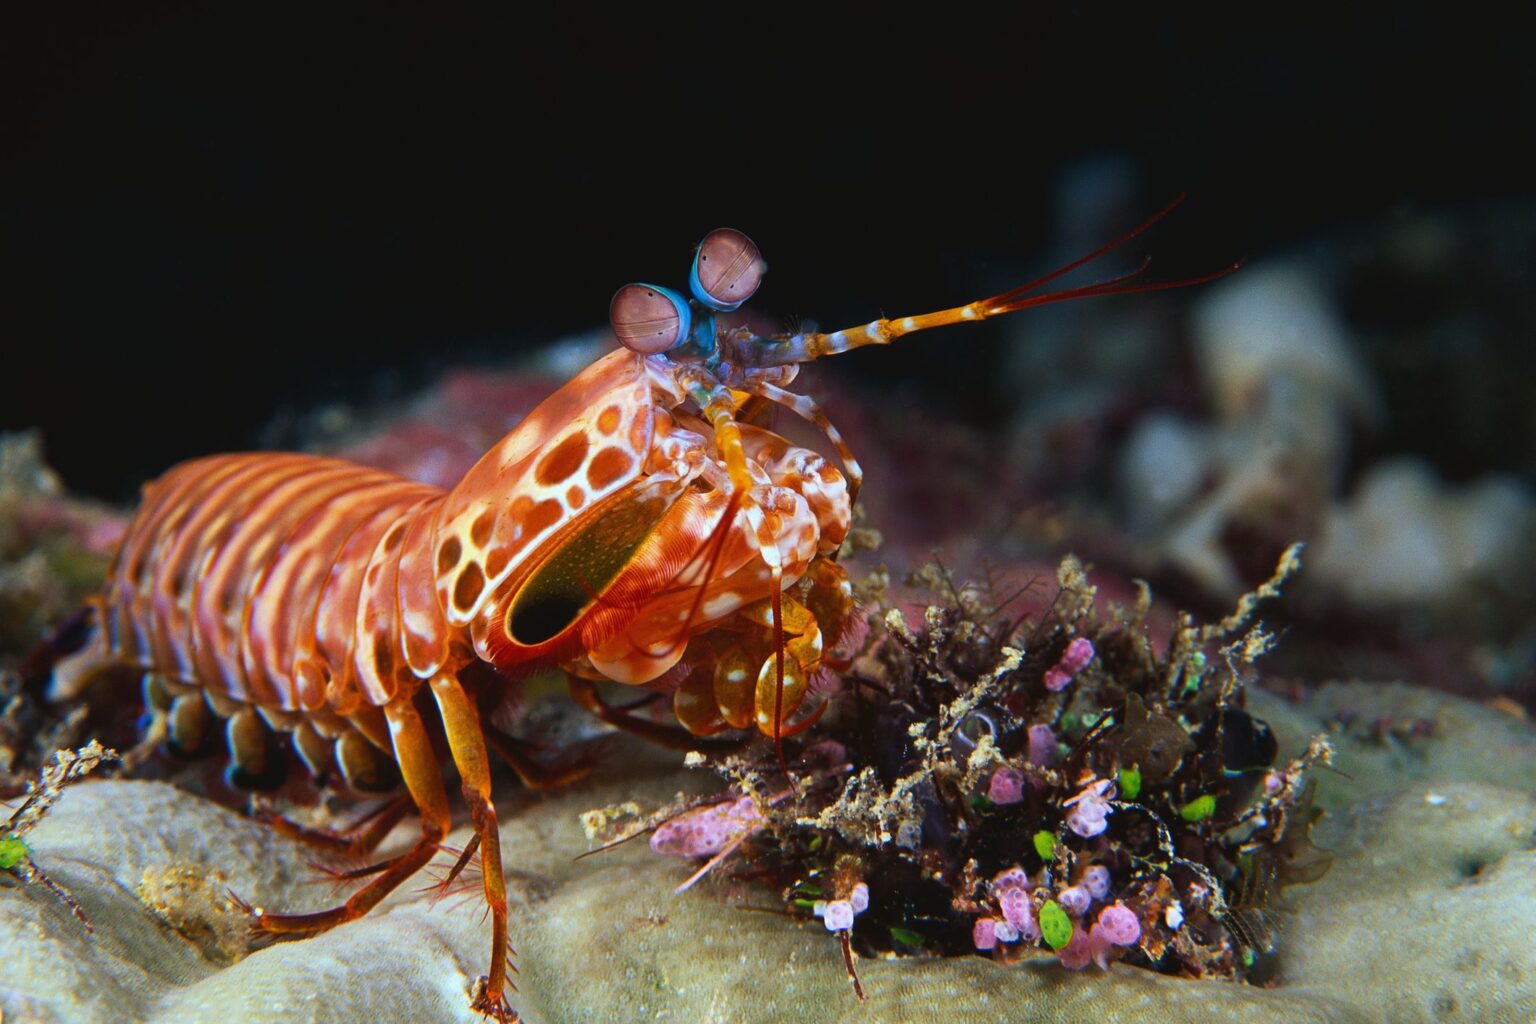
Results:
<point x="727" y="270"/>
<point x="649" y="319"/>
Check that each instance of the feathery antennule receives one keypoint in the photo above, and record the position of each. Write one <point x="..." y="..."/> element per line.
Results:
<point x="1107" y="247"/>
<point x="801" y="348"/>
<point x="1112" y="286"/>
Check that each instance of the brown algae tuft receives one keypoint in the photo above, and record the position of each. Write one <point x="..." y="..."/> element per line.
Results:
<point x="63" y="769"/>
<point x="1050" y="785"/>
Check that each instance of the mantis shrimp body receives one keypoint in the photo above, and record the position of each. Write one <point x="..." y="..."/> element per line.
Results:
<point x="634" y="528"/>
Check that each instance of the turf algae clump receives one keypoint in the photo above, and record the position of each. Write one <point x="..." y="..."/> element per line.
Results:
<point x="64" y="768"/>
<point x="1000" y="783"/>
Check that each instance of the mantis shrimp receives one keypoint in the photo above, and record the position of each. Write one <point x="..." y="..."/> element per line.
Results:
<point x="635" y="527"/>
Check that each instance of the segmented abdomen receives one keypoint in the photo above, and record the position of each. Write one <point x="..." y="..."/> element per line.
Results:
<point x="250" y="575"/>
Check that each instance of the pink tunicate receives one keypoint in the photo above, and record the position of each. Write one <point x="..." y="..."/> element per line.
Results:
<point x="1088" y="818"/>
<point x="828" y="752"/>
<point x="1041" y="748"/>
<point x="1074" y="899"/>
<point x="1013" y="878"/>
<point x="705" y="831"/>
<point x="1120" y="925"/>
<point x="1099" y="946"/>
<point x="858" y="898"/>
<point x="1077" y="656"/>
<point x="838" y="916"/>
<point x="1019" y="912"/>
<point x="1174" y="915"/>
<point x="1078" y="952"/>
<point x="1096" y="881"/>
<point x="1004" y="931"/>
<point x="984" y="933"/>
<point x="1072" y="661"/>
<point x="1006" y="787"/>
<point x="1015" y="906"/>
<point x="1273" y="783"/>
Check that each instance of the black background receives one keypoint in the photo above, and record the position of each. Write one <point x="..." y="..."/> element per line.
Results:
<point x="208" y="217"/>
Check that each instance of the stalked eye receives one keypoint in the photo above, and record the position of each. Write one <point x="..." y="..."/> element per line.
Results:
<point x="648" y="318"/>
<point x="726" y="270"/>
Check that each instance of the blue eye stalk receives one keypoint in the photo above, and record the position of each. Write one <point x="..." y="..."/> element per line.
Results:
<point x="727" y="270"/>
<point x="649" y="319"/>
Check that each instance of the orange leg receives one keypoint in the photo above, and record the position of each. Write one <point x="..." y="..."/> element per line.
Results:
<point x="418" y="765"/>
<point x="466" y="742"/>
<point x="360" y="839"/>
<point x="533" y="773"/>
<point x="584" y="691"/>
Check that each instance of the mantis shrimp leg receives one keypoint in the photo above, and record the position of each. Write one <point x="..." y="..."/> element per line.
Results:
<point x="423" y="780"/>
<point x="466" y="741"/>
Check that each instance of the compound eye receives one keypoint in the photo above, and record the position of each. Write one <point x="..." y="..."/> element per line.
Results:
<point x="648" y="318"/>
<point x="727" y="268"/>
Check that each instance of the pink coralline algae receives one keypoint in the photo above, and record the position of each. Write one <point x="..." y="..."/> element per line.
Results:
<point x="705" y="831"/>
<point x="1090" y="809"/>
<point x="1073" y="660"/>
<point x="1006" y="787"/>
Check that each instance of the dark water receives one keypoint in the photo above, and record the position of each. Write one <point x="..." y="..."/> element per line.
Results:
<point x="213" y="219"/>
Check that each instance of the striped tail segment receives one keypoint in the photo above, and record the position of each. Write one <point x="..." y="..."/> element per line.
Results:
<point x="216" y="539"/>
